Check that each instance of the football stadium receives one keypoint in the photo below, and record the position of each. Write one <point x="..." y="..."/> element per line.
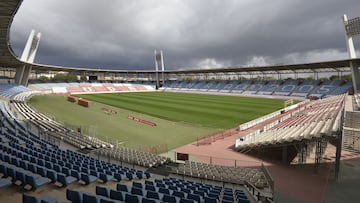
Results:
<point x="240" y="134"/>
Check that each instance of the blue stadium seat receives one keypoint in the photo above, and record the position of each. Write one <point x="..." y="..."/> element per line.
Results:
<point x="65" y="180"/>
<point x="117" y="195"/>
<point x="119" y="176"/>
<point x="20" y="176"/>
<point x="147" y="175"/>
<point x="137" y="184"/>
<point x="88" y="198"/>
<point x="32" y="168"/>
<point x="210" y="200"/>
<point x="42" y="171"/>
<point x="36" y="181"/>
<point x="30" y="199"/>
<point x="169" y="198"/>
<point x="130" y="198"/>
<point x="182" y="200"/>
<point x="160" y="185"/>
<point x="105" y="177"/>
<point x="146" y="200"/>
<point x="4" y="183"/>
<point x="178" y="194"/>
<point x="148" y="182"/>
<point x="201" y="193"/>
<point x="137" y="191"/>
<point x="75" y="174"/>
<point x="194" y="197"/>
<point x="150" y="187"/>
<point x="172" y="187"/>
<point x="153" y="195"/>
<point x="139" y="174"/>
<point x="33" y="199"/>
<point x="129" y="176"/>
<point x="121" y="187"/>
<point x="164" y="190"/>
<point x="228" y="198"/>
<point x="102" y="191"/>
<point x="66" y="171"/>
<point x="10" y="172"/>
<point x="74" y="196"/>
<point x="88" y="178"/>
<point x="102" y="200"/>
<point x="186" y="190"/>
<point x="52" y="175"/>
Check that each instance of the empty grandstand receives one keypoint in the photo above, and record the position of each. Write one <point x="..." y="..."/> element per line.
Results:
<point x="41" y="160"/>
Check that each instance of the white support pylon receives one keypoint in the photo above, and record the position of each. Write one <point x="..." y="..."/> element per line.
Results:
<point x="28" y="56"/>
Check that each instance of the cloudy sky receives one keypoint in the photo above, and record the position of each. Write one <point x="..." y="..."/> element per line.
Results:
<point x="123" y="34"/>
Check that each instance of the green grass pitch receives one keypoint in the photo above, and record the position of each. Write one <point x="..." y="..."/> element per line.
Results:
<point x="181" y="118"/>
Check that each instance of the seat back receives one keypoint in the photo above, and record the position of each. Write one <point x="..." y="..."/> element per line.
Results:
<point x="121" y="187"/>
<point x="51" y="175"/>
<point x="145" y="200"/>
<point x="194" y="197"/>
<point x="137" y="185"/>
<point x="29" y="180"/>
<point x="179" y="194"/>
<point x="131" y="198"/>
<point x="74" y="196"/>
<point x="137" y="191"/>
<point x="29" y="199"/>
<point x="210" y="200"/>
<point x="164" y="191"/>
<point x="182" y="200"/>
<point x="75" y="174"/>
<point x="168" y="198"/>
<point x="150" y="187"/>
<point x="118" y="195"/>
<point x="152" y="194"/>
<point x="103" y="191"/>
<point x="62" y="179"/>
<point x="88" y="198"/>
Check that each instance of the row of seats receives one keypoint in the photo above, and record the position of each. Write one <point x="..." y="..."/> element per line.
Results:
<point x="133" y="156"/>
<point x="314" y="120"/>
<point x="235" y="175"/>
<point x="158" y="191"/>
<point x="21" y="176"/>
<point x="35" y="199"/>
<point x="284" y="88"/>
<point x="9" y="90"/>
<point x="65" y="167"/>
<point x="14" y="130"/>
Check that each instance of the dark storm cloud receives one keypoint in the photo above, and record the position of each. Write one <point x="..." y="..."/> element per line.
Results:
<point x="193" y="33"/>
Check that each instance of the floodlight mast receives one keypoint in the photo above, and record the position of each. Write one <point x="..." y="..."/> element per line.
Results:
<point x="352" y="28"/>
<point x="156" y="70"/>
<point x="162" y="68"/>
<point x="159" y="58"/>
<point x="23" y="73"/>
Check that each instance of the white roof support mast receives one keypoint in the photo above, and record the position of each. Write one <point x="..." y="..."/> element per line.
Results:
<point x="352" y="28"/>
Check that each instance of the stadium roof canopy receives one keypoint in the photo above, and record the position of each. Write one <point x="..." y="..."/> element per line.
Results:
<point x="8" y="59"/>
